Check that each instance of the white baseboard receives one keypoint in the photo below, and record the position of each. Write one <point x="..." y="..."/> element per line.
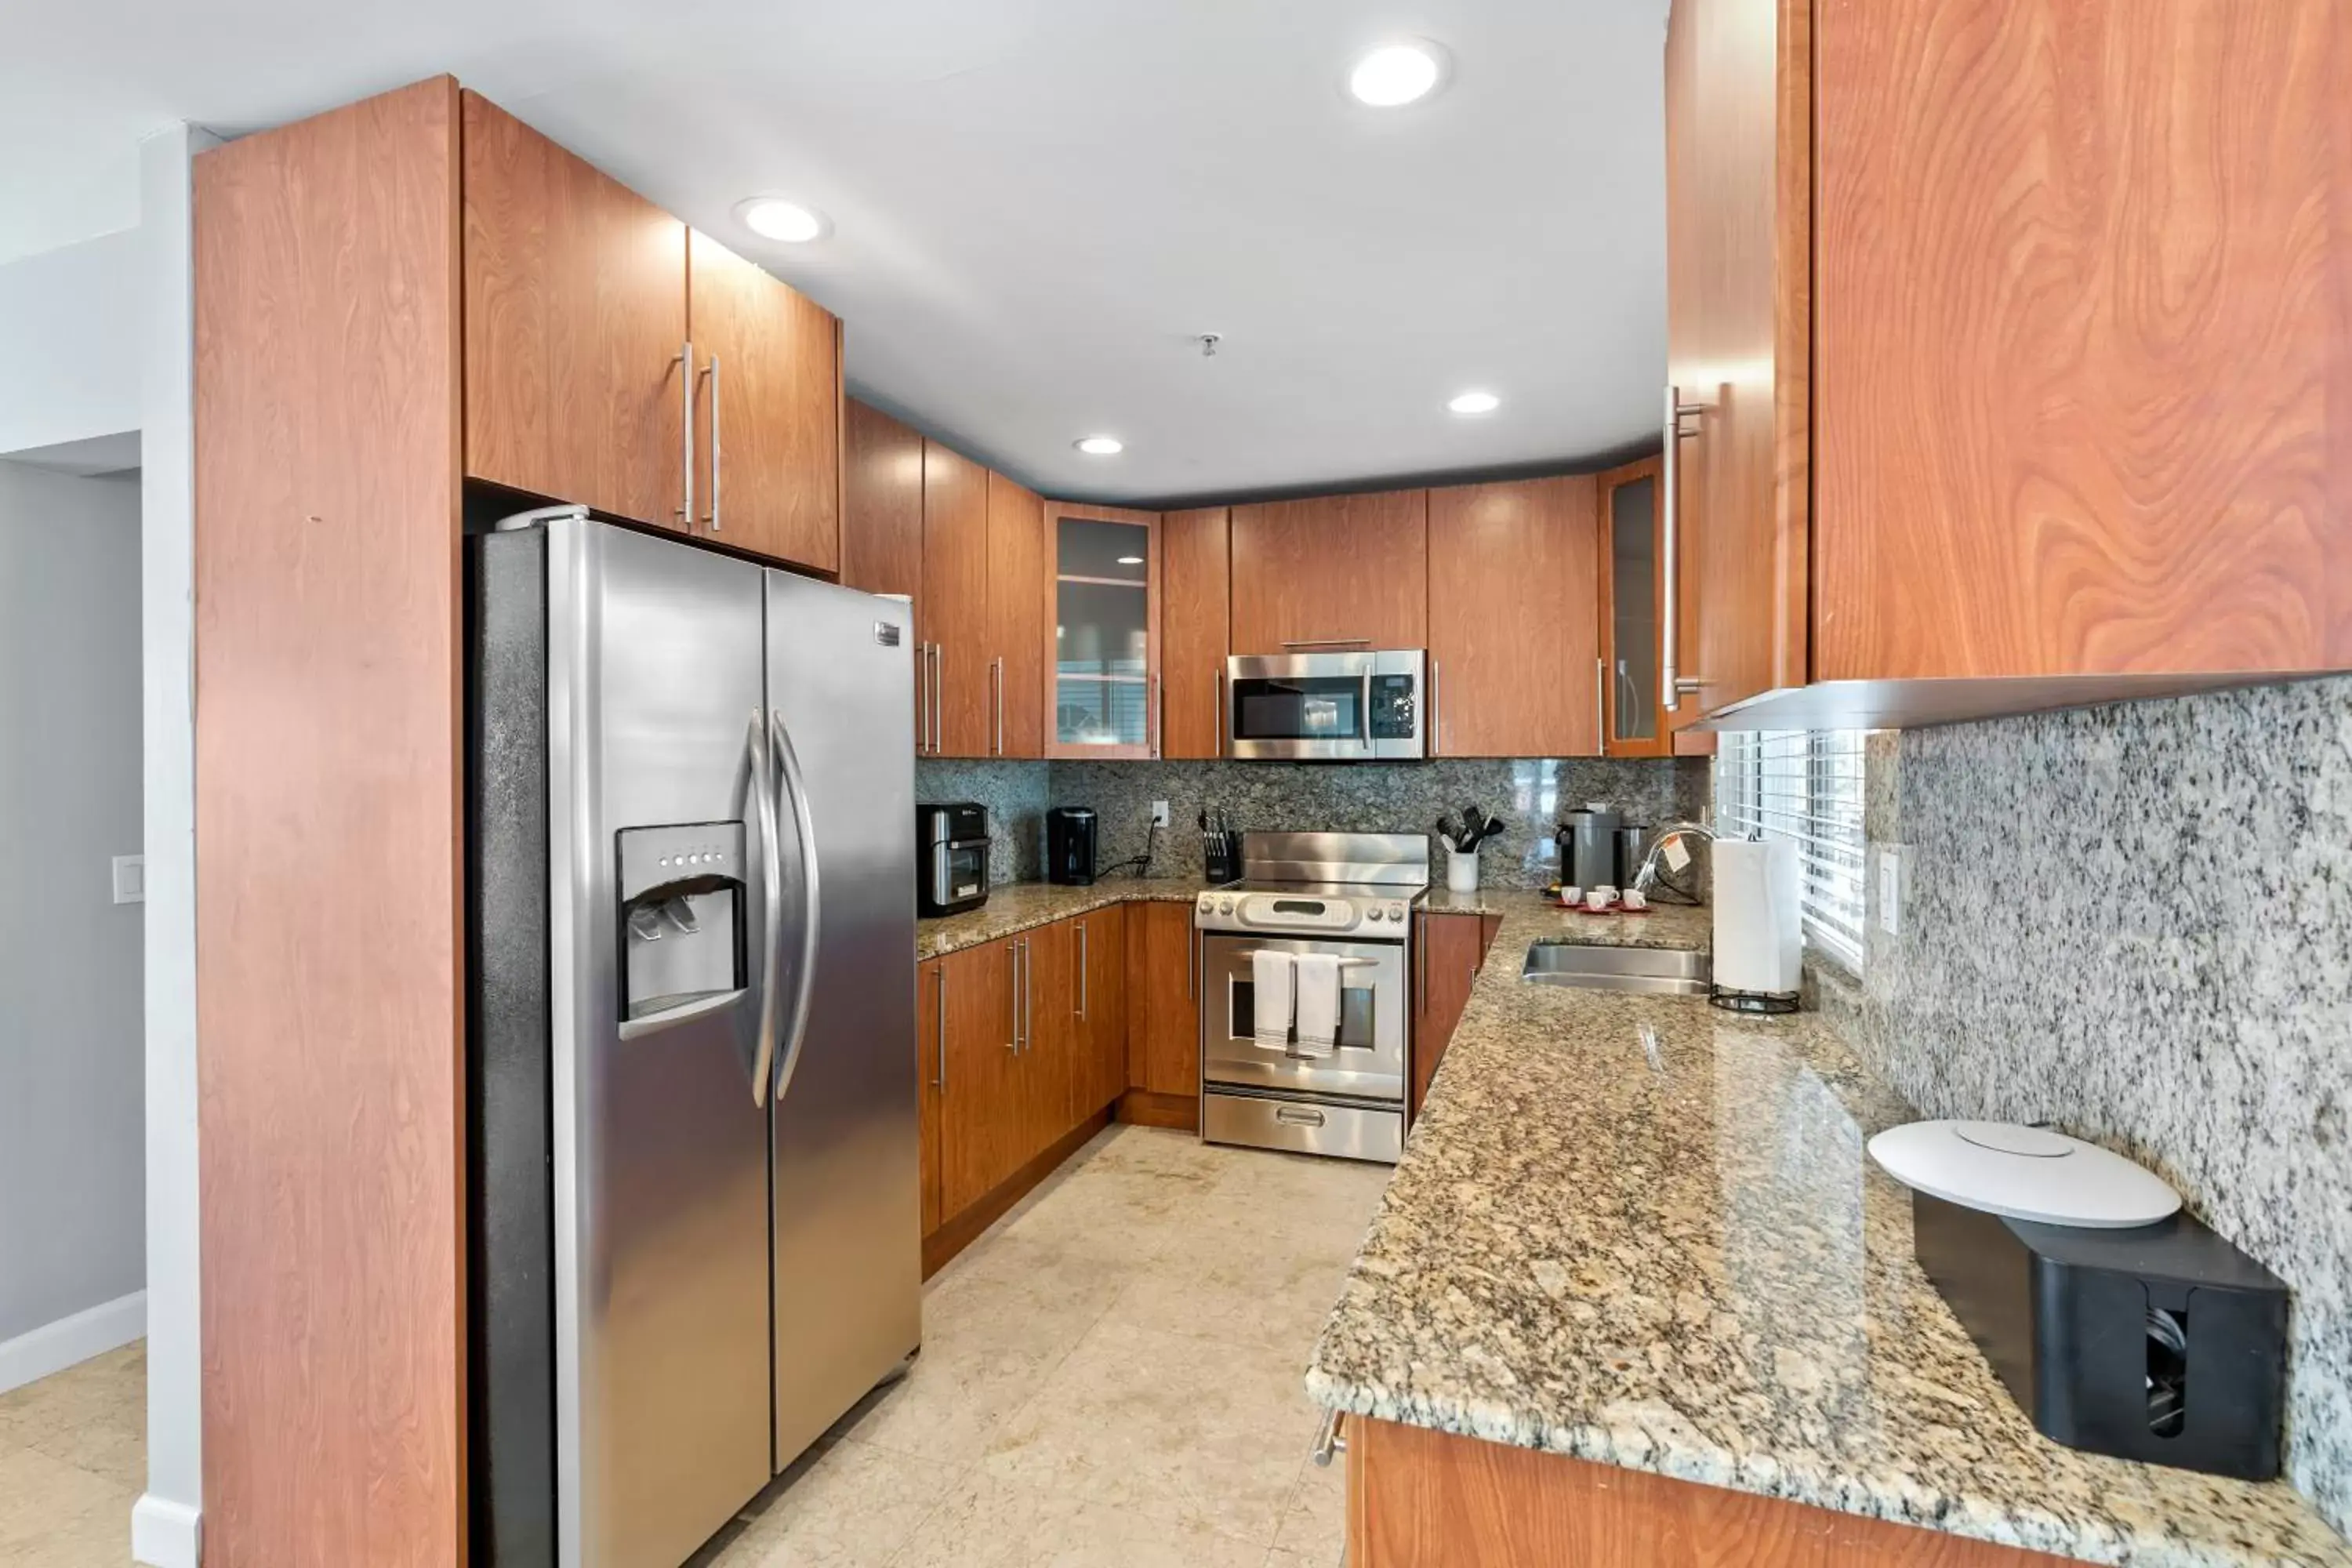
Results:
<point x="164" y="1534"/>
<point x="53" y="1347"/>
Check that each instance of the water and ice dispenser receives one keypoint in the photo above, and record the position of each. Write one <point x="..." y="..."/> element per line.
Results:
<point x="682" y="917"/>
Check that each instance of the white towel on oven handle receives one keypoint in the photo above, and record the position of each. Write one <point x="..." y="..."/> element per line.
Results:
<point x="1270" y="981"/>
<point x="1318" y="1006"/>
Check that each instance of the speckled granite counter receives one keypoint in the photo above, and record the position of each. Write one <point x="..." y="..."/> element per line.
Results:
<point x="1683" y="1262"/>
<point x="1024" y="906"/>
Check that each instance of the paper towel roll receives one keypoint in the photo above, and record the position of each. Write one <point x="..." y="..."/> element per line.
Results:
<point x="1758" y="944"/>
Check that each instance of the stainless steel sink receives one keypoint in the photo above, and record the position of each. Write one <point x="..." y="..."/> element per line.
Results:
<point x="1655" y="971"/>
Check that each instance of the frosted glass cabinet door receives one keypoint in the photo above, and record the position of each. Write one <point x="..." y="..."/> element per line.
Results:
<point x="1104" y="704"/>
<point x="1630" y="585"/>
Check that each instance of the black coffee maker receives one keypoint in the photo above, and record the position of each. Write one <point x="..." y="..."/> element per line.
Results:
<point x="1070" y="846"/>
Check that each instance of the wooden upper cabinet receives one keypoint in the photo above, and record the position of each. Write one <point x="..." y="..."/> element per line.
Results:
<point x="955" y="620"/>
<point x="574" y="323"/>
<point x="1513" y="619"/>
<point x="1332" y="573"/>
<point x="1016" y="627"/>
<point x="1739" y="236"/>
<point x="2082" y="372"/>
<point x="1101" y="632"/>
<point x="767" y="436"/>
<point x="1195" y="571"/>
<point x="1633" y="580"/>
<point x="882" y="505"/>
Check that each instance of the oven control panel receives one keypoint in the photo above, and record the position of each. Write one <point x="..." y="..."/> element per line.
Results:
<point x="1288" y="914"/>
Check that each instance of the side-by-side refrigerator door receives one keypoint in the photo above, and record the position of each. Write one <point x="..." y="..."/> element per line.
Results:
<point x="847" y="1199"/>
<point x="660" y="833"/>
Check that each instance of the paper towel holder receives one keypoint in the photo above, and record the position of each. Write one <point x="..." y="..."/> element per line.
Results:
<point x="1732" y="1001"/>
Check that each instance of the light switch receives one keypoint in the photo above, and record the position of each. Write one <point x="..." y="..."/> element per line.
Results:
<point x="131" y="878"/>
<point x="1890" y="890"/>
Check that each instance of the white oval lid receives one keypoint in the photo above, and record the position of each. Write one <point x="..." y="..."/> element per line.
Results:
<point x="2024" y="1172"/>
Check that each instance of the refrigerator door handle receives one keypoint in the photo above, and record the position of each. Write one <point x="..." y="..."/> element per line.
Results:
<point x="772" y="876"/>
<point x="791" y="783"/>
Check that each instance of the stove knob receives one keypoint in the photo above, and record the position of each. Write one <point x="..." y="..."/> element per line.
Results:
<point x="1224" y="906"/>
<point x="1207" y="903"/>
<point x="1376" y="913"/>
<point x="1396" y="912"/>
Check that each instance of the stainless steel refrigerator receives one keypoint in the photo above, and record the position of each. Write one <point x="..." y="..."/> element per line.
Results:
<point x="695" y="1238"/>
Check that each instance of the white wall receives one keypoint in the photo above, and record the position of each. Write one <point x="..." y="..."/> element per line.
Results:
<point x="72" y="1233"/>
<point x="165" y="1525"/>
<point x="70" y="343"/>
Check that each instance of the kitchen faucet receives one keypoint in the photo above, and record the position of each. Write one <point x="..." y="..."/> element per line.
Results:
<point x="1646" y="877"/>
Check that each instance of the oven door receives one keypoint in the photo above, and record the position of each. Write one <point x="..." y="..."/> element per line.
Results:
<point x="1369" y="1063"/>
<point x="1325" y="707"/>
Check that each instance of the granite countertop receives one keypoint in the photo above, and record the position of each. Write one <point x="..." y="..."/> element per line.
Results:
<point x="1538" y="919"/>
<point x="1681" y="1260"/>
<point x="1023" y="906"/>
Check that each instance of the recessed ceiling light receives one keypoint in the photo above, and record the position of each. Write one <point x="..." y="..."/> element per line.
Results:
<point x="1475" y="403"/>
<point x="1395" y="74"/>
<point x="771" y="217"/>
<point x="1130" y="560"/>
<point x="1100" y="445"/>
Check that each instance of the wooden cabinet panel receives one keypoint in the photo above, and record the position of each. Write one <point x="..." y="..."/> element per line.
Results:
<point x="1017" y="631"/>
<point x="955" y="599"/>
<point x="1099" y="1073"/>
<point x="1514" y="620"/>
<point x="1453" y="948"/>
<point x="1738" y="243"/>
<point x="982" y="1120"/>
<point x="882" y="498"/>
<point x="1196" y="569"/>
<point x="331" y="1083"/>
<point x="1337" y="570"/>
<point x="575" y="317"/>
<point x="2082" y="382"/>
<point x="1163" y="1018"/>
<point x="1101" y="632"/>
<point x="1631" y="572"/>
<point x="930" y="1072"/>
<point x="769" y="436"/>
<point x="1421" y="1499"/>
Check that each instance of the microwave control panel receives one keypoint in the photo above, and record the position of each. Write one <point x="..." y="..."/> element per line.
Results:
<point x="1395" y="705"/>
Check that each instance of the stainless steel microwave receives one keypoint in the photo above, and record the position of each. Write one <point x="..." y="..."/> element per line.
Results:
<point x="1356" y="707"/>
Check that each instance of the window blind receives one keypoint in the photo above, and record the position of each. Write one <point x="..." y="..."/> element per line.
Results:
<point x="1805" y="786"/>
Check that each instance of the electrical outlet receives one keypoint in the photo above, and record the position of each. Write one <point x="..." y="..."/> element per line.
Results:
<point x="131" y="878"/>
<point x="1890" y="890"/>
<point x="1159" y="814"/>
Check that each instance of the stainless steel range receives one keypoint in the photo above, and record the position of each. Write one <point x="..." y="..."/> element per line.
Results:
<point x="1349" y="896"/>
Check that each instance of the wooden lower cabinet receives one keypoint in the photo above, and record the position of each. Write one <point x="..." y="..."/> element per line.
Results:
<point x="1163" y="1027"/>
<point x="1099" y="1065"/>
<point x="1453" y="950"/>
<point x="1421" y="1499"/>
<point x="931" y="1075"/>
<point x="982" y="1088"/>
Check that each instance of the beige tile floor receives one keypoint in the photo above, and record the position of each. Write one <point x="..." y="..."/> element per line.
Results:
<point x="73" y="1457"/>
<point x="1111" y="1375"/>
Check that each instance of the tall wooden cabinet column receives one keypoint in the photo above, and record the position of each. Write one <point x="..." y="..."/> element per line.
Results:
<point x="882" y="527"/>
<point x="1195" y="605"/>
<point x="329" y="1029"/>
<point x="1018" y="624"/>
<point x="1513" y="616"/>
<point x="955" y="603"/>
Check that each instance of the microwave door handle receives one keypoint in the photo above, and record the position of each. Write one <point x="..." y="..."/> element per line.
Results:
<point x="1364" y="717"/>
<point x="772" y="876"/>
<point x="793" y="783"/>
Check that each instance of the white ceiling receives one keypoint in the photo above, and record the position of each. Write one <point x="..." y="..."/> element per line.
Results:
<point x="1036" y="202"/>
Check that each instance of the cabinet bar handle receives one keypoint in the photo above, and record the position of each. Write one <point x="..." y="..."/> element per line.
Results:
<point x="1330" y="642"/>
<point x="939" y="1021"/>
<point x="939" y="698"/>
<point x="1158" y="717"/>
<point x="686" y="379"/>
<point x="996" y="702"/>
<point x="1217" y="707"/>
<point x="714" y="444"/>
<point x="1421" y="948"/>
<point x="1600" y="706"/>
<point x="1013" y="956"/>
<point x="1327" y="1441"/>
<point x="1436" y="722"/>
<point x="1082" y="971"/>
<point x="1191" y="965"/>
<point x="1671" y="683"/>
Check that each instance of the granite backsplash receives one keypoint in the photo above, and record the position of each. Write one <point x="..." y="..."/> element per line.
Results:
<point x="2136" y="922"/>
<point x="1528" y="794"/>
